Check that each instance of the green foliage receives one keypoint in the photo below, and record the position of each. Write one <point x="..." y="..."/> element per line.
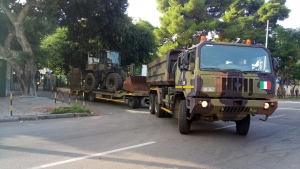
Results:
<point x="103" y="26"/>
<point x="74" y="108"/>
<point x="285" y="45"/>
<point x="138" y="45"/>
<point x="187" y="20"/>
<point x="60" y="53"/>
<point x="229" y="19"/>
<point x="246" y="19"/>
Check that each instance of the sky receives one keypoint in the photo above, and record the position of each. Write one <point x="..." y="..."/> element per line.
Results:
<point x="146" y="10"/>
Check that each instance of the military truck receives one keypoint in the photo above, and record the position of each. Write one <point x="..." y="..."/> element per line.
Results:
<point x="213" y="81"/>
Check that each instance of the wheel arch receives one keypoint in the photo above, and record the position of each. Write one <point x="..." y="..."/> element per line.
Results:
<point x="176" y="102"/>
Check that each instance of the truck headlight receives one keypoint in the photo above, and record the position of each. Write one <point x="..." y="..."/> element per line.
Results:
<point x="204" y="104"/>
<point x="266" y="106"/>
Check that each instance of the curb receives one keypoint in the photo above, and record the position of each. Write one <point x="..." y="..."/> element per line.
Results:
<point x="42" y="117"/>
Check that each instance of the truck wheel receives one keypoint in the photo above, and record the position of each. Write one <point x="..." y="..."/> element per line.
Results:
<point x="158" y="111"/>
<point x="91" y="97"/>
<point x="134" y="102"/>
<point x="242" y="126"/>
<point x="114" y="82"/>
<point x="91" y="82"/>
<point x="152" y="104"/>
<point x="173" y="72"/>
<point x="183" y="122"/>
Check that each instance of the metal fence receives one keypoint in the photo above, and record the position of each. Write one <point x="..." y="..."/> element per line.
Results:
<point x="47" y="82"/>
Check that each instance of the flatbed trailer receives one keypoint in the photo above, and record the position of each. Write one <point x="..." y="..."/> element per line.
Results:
<point x="135" y="90"/>
<point x="135" y="100"/>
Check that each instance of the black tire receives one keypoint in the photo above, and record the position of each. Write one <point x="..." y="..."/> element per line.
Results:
<point x="91" y="96"/>
<point x="138" y="102"/>
<point x="183" y="122"/>
<point x="242" y="126"/>
<point x="91" y="82"/>
<point x="134" y="102"/>
<point x="173" y="72"/>
<point x="152" y="104"/>
<point x="157" y="108"/>
<point x="114" y="82"/>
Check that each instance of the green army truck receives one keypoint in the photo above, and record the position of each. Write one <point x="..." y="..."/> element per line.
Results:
<point x="213" y="81"/>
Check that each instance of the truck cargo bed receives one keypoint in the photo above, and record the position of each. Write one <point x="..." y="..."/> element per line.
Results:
<point x="159" y="71"/>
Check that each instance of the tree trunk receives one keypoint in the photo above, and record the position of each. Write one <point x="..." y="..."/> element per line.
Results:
<point x="25" y="71"/>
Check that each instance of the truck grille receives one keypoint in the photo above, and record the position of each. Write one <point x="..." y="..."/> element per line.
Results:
<point x="237" y="85"/>
<point x="234" y="109"/>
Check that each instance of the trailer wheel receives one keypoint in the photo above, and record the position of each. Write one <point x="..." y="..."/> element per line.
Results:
<point x="152" y="103"/>
<point x="114" y="82"/>
<point x="158" y="111"/>
<point x="134" y="102"/>
<point x="91" y="82"/>
<point x="183" y="122"/>
<point x="242" y="126"/>
<point x="91" y="96"/>
<point x="138" y="102"/>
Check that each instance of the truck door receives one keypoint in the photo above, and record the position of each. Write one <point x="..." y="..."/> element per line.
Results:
<point x="186" y="78"/>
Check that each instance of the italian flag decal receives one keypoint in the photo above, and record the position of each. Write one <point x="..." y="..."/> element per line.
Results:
<point x="265" y="85"/>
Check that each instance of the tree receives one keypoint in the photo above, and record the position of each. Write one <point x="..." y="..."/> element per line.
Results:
<point x="102" y="25"/>
<point x="246" y="19"/>
<point x="183" y="19"/>
<point x="139" y="45"/>
<point x="18" y="47"/>
<point x="60" y="51"/>
<point x="285" y="45"/>
<point x="294" y="77"/>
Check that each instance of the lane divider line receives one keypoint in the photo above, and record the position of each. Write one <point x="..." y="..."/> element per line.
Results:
<point x="224" y="127"/>
<point x="287" y="109"/>
<point x="92" y="156"/>
<point x="276" y="116"/>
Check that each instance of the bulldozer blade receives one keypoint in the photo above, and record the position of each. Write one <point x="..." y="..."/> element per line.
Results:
<point x="136" y="84"/>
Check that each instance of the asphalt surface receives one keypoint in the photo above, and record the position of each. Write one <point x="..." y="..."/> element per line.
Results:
<point x="123" y="138"/>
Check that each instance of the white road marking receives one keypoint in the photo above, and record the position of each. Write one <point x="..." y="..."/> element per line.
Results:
<point x="287" y="109"/>
<point x="92" y="156"/>
<point x="289" y="102"/>
<point x="277" y="116"/>
<point x="224" y="127"/>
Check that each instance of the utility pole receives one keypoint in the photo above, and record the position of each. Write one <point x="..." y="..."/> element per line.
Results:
<point x="267" y="34"/>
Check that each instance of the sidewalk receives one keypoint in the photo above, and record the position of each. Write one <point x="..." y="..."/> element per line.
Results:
<point x="29" y="108"/>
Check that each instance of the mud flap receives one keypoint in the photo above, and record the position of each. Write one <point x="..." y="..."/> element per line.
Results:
<point x="266" y="118"/>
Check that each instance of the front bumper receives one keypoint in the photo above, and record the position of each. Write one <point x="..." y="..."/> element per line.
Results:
<point x="230" y="109"/>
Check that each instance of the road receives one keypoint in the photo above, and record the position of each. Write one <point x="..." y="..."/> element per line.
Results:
<point x="124" y="138"/>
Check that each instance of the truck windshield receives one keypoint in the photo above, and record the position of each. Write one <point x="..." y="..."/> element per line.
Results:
<point x="113" y="57"/>
<point x="234" y="58"/>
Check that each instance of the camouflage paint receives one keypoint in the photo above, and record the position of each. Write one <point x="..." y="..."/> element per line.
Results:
<point x="235" y="94"/>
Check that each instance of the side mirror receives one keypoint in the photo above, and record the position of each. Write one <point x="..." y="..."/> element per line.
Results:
<point x="184" y="61"/>
<point x="275" y="63"/>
